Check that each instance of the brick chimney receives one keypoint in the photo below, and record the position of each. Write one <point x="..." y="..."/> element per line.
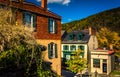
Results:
<point x="90" y="30"/>
<point x="44" y="4"/>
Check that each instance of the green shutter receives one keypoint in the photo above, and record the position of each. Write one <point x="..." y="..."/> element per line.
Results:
<point x="34" y="21"/>
<point x="56" y="54"/>
<point x="23" y="18"/>
<point x="49" y="51"/>
<point x="48" y="25"/>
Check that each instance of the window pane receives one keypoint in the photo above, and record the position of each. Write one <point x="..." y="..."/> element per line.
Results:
<point x="52" y="26"/>
<point x="81" y="47"/>
<point x="65" y="47"/>
<point x="73" y="47"/>
<point x="52" y="50"/>
<point x="29" y="20"/>
<point x="96" y="63"/>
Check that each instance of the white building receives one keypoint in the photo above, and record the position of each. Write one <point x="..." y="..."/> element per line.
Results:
<point x="80" y="39"/>
<point x="102" y="61"/>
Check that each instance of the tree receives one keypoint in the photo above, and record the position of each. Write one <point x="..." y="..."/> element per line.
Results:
<point x="76" y="64"/>
<point x="20" y="54"/>
<point x="107" y="37"/>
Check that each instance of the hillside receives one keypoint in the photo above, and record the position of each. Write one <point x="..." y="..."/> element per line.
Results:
<point x="109" y="19"/>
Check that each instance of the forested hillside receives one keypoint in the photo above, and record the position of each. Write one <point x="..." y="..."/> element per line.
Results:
<point x="109" y="19"/>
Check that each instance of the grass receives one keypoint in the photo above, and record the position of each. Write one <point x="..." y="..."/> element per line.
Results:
<point x="115" y="72"/>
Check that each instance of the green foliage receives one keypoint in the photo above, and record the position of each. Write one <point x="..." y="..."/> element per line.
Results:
<point x="109" y="19"/>
<point x="20" y="55"/>
<point x="76" y="64"/>
<point x="115" y="72"/>
<point x="107" y="38"/>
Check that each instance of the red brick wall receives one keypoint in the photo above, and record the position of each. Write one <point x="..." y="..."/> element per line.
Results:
<point x="42" y="29"/>
<point x="42" y="19"/>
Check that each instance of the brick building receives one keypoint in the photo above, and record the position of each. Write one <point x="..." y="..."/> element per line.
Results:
<point x="46" y="27"/>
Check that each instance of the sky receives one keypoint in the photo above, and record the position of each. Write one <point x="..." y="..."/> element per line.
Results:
<point x="71" y="10"/>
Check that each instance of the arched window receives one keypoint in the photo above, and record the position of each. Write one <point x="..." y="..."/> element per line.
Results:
<point x="52" y="50"/>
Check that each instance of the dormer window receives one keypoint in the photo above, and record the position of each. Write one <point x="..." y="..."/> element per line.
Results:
<point x="80" y="36"/>
<point x="29" y="20"/>
<point x="52" y="26"/>
<point x="71" y="36"/>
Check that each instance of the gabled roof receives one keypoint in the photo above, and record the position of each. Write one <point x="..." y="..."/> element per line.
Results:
<point x="75" y="40"/>
<point x="31" y="7"/>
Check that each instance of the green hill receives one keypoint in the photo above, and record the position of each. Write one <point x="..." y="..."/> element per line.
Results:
<point x="109" y="19"/>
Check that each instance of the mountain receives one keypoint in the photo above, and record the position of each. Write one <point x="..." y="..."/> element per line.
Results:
<point x="109" y="19"/>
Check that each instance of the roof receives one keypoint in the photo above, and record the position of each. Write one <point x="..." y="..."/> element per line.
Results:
<point x="31" y="7"/>
<point x="84" y="40"/>
<point x="102" y="51"/>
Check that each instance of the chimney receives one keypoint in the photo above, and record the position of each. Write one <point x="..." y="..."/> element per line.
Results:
<point x="111" y="47"/>
<point x="90" y="30"/>
<point x="44" y="4"/>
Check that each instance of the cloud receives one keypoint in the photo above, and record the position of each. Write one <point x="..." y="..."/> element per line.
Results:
<point x="64" y="2"/>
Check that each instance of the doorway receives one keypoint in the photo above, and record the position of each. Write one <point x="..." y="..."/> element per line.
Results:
<point x="104" y="67"/>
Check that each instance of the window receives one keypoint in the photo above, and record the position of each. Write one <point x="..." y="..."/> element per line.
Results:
<point x="82" y="54"/>
<point x="80" y="36"/>
<point x="52" y="50"/>
<point x="104" y="60"/>
<point x="96" y="63"/>
<point x="73" y="47"/>
<point x="81" y="47"/>
<point x="29" y="20"/>
<point x="71" y="36"/>
<point x="65" y="47"/>
<point x="52" y="26"/>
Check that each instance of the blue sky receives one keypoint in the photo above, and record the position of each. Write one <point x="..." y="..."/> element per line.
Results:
<point x="71" y="10"/>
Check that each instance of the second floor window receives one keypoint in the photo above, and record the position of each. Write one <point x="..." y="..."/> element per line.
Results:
<point x="52" y="26"/>
<point x="65" y="47"/>
<point x="29" y="20"/>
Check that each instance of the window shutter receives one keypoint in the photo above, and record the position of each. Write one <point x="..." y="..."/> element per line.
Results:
<point x="56" y="54"/>
<point x="23" y="18"/>
<point x="34" y="22"/>
<point x="48" y="25"/>
<point x="49" y="51"/>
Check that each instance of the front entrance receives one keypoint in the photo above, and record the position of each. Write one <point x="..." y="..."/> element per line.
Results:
<point x="104" y="67"/>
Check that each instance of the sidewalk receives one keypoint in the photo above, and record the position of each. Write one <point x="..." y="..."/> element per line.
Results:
<point x="66" y="73"/>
